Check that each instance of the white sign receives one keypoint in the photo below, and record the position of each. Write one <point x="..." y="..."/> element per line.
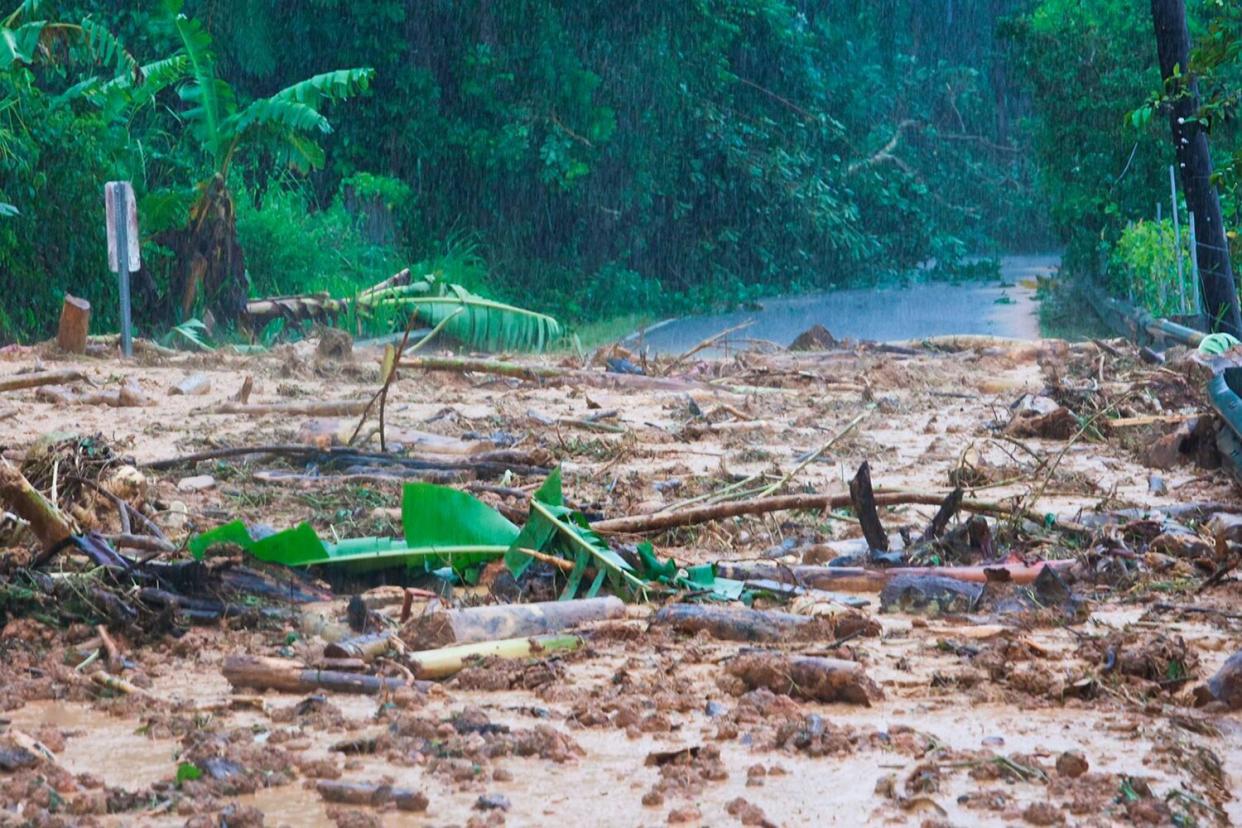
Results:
<point x="131" y="225"/>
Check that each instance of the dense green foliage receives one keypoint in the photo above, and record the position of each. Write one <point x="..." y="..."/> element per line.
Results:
<point x="598" y="157"/>
<point x="1102" y="139"/>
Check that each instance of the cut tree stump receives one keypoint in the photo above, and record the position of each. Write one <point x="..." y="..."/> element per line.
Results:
<point x="75" y="323"/>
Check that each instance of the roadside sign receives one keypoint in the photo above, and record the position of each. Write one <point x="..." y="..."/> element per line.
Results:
<point x="123" y="253"/>
<point x="111" y="197"/>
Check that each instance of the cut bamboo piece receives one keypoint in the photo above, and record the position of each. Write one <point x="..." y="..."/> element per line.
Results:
<point x="74" y="327"/>
<point x="442" y="663"/>
<point x="738" y="623"/>
<point x="494" y="623"/>
<point x="859" y="579"/>
<point x="19" y="381"/>
<point x="261" y="673"/>
<point x="364" y="647"/>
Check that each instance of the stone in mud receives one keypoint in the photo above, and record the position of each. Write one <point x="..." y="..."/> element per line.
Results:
<point x="197" y="483"/>
<point x="807" y="677"/>
<point x="492" y="802"/>
<point x="1226" y="685"/>
<point x="814" y="338"/>
<point x="931" y="594"/>
<point x="1072" y="763"/>
<point x="14" y="758"/>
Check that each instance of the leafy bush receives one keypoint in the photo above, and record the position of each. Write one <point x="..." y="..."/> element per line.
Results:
<point x="1143" y="266"/>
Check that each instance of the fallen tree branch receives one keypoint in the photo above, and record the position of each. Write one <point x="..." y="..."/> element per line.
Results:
<point x="34" y="380"/>
<point x="46" y="521"/>
<point x="814" y="502"/>
<point x="319" y="408"/>
<point x="260" y="673"/>
<point x="860" y="579"/>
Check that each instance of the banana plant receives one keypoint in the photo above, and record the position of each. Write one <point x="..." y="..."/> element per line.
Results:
<point x="210" y="263"/>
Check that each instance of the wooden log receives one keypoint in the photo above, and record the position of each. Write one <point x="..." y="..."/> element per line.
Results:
<point x="364" y="647"/>
<point x="17" y="382"/>
<point x="285" y="675"/>
<point x="501" y="621"/>
<point x="738" y="623"/>
<point x="46" y="521"/>
<point x="859" y="579"/>
<point x="807" y="677"/>
<point x="444" y="662"/>
<point x="74" y="327"/>
<point x="371" y="794"/>
<point x="315" y="408"/>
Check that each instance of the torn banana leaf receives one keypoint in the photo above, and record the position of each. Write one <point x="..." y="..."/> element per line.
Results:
<point x="699" y="579"/>
<point x="443" y="527"/>
<point x="555" y="529"/>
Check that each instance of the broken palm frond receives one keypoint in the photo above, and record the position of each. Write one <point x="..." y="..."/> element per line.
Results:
<point x="555" y="528"/>
<point x="813" y="456"/>
<point x="444" y="662"/>
<point x="660" y="521"/>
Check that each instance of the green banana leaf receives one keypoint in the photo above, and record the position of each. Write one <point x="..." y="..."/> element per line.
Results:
<point x="481" y="323"/>
<point x="443" y="527"/>
<point x="701" y="578"/>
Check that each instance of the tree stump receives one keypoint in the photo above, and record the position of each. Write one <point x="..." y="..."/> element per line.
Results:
<point x="75" y="323"/>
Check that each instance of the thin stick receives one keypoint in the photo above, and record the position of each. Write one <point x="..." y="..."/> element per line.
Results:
<point x="707" y="343"/>
<point x="33" y="380"/>
<point x="813" y="456"/>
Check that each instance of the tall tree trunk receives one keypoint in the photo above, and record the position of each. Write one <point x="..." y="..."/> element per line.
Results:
<point x="1194" y="161"/>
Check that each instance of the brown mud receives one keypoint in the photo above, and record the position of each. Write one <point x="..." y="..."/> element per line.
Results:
<point x="994" y="716"/>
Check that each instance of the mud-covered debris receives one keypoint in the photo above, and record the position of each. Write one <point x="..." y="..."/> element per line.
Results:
<point x="371" y="794"/>
<point x="1072" y="763"/>
<point x="1049" y="599"/>
<point x="1167" y="662"/>
<point x="1226" y="685"/>
<point x="814" y="338"/>
<point x="492" y="802"/>
<point x="747" y="813"/>
<point x="930" y="594"/>
<point x="1057" y="423"/>
<point x="742" y="623"/>
<point x="807" y="677"/>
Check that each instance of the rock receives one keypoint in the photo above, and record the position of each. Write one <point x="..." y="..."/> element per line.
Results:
<point x="1072" y="763"/>
<point x="931" y="594"/>
<point x="1226" y="685"/>
<point x="1156" y="485"/>
<point x="1225" y="527"/>
<point x="814" y="338"/>
<point x="334" y="345"/>
<point x="689" y="813"/>
<point x="177" y="516"/>
<point x="197" y="483"/>
<point x="14" y="758"/>
<point x="492" y="802"/>
<point x="195" y="385"/>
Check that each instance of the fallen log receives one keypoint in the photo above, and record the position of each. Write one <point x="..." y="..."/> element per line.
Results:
<point x="46" y="521"/>
<point x="318" y="408"/>
<point x="807" y="677"/>
<point x="287" y="676"/>
<point x="501" y="621"/>
<point x="860" y="579"/>
<point x="370" y="794"/>
<point x="444" y="662"/>
<point x="365" y="647"/>
<point x="660" y="521"/>
<point x="74" y="326"/>
<point x="739" y="623"/>
<point x="33" y="380"/>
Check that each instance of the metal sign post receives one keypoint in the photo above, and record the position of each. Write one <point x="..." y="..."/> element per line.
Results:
<point x="124" y="255"/>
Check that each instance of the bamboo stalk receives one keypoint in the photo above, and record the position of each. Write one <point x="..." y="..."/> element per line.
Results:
<point x="444" y="662"/>
<point x="261" y="673"/>
<point x="506" y="621"/>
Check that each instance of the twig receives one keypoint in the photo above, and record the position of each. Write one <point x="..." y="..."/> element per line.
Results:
<point x="706" y="343"/>
<point x="109" y="646"/>
<point x="813" y="456"/>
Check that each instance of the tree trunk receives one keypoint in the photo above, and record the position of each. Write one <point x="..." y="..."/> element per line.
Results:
<point x="209" y="257"/>
<point x="1194" y="160"/>
<point x="75" y="323"/>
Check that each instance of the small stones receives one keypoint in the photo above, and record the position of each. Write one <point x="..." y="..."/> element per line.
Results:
<point x="492" y="802"/>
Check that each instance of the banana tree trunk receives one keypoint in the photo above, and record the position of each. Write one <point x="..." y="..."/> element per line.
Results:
<point x="210" y="262"/>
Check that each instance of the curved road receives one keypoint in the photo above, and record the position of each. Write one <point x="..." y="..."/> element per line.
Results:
<point x="883" y="314"/>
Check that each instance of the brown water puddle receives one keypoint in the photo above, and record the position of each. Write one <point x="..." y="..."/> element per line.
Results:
<point x="102" y="745"/>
